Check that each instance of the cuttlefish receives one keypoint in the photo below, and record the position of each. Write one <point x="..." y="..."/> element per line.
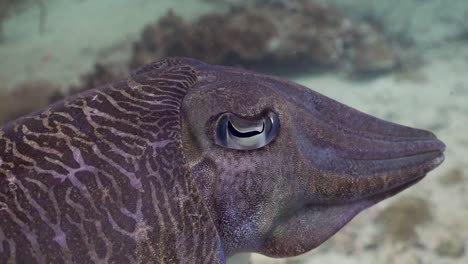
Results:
<point x="185" y="162"/>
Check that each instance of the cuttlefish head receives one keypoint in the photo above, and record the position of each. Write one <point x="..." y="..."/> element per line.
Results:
<point x="282" y="168"/>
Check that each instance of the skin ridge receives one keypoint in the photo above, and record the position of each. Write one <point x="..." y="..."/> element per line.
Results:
<point x="102" y="178"/>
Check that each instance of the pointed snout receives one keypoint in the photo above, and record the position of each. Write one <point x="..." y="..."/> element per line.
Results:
<point x="395" y="142"/>
<point x="358" y="155"/>
<point x="345" y="133"/>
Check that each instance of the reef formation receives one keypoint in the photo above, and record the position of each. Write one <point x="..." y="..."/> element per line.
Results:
<point x="272" y="35"/>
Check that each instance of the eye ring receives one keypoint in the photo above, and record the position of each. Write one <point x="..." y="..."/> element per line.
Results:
<point x="235" y="132"/>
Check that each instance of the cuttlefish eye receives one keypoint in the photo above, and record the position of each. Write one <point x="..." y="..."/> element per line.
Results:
<point x="235" y="132"/>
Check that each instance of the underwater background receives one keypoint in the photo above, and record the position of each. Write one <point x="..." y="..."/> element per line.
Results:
<point x="405" y="61"/>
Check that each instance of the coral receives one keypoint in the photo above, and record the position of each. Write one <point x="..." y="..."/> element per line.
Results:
<point x="213" y="38"/>
<point x="271" y="34"/>
<point x="402" y="217"/>
<point x="25" y="98"/>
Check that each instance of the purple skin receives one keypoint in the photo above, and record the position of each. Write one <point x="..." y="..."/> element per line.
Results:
<point x="136" y="171"/>
<point x="328" y="162"/>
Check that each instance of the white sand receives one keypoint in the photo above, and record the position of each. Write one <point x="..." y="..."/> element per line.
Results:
<point x="76" y="33"/>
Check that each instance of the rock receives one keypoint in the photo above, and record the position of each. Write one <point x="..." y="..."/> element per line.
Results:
<point x="452" y="177"/>
<point x="270" y="36"/>
<point x="401" y="218"/>
<point x="374" y="55"/>
<point x="451" y="247"/>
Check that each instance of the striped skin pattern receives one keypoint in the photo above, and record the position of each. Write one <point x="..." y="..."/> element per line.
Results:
<point x="101" y="178"/>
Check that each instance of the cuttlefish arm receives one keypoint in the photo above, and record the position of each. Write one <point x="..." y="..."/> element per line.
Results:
<point x="185" y="162"/>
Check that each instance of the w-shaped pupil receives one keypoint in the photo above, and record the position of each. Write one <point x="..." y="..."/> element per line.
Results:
<point x="247" y="134"/>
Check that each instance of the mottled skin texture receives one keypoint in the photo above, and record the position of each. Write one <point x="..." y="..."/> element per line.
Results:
<point x="129" y="172"/>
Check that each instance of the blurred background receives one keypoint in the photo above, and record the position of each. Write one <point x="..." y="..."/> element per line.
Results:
<point x="402" y="60"/>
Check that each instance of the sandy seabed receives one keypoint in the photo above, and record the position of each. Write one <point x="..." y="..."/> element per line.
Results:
<point x="434" y="97"/>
